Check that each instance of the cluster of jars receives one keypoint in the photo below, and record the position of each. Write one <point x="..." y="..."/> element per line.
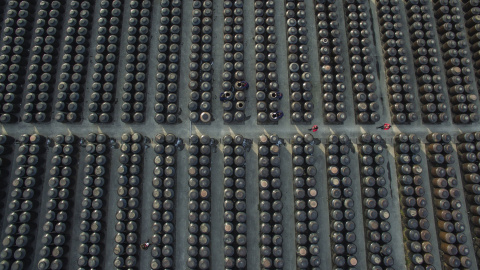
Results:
<point x="137" y="58"/>
<point x="342" y="226"/>
<point x="58" y="201"/>
<point x="235" y="226"/>
<point x="362" y="63"/>
<point x="427" y="62"/>
<point x="271" y="217"/>
<point x="21" y="206"/>
<point x="414" y="211"/>
<point x="266" y="61"/>
<point x="469" y="155"/>
<point x="446" y="199"/>
<point x="73" y="69"/>
<point x="460" y="78"/>
<point x="375" y="202"/>
<point x="331" y="59"/>
<point x="164" y="202"/>
<point x="107" y="51"/>
<point x="12" y="55"/>
<point x="298" y="68"/>
<point x="199" y="204"/>
<point x="201" y="62"/>
<point x="233" y="69"/>
<point x="91" y="215"/>
<point x="305" y="193"/>
<point x="168" y="67"/>
<point x="127" y="216"/>
<point x="394" y="52"/>
<point x="42" y="65"/>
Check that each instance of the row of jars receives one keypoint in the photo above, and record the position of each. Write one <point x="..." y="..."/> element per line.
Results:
<point x="62" y="169"/>
<point x="362" y="63"/>
<point x="469" y="155"/>
<point x="301" y="105"/>
<point x="164" y="182"/>
<point x="413" y="203"/>
<point x="233" y="67"/>
<point x="128" y="214"/>
<point x="201" y="62"/>
<point x="341" y="204"/>
<point x="448" y="206"/>
<point x="168" y="57"/>
<point x="42" y="66"/>
<point x="471" y="11"/>
<point x="13" y="55"/>
<point x="305" y="192"/>
<point x="451" y="32"/>
<point x="4" y="149"/>
<point x="399" y="81"/>
<point x="73" y="68"/>
<point x="106" y="59"/>
<point x="92" y="237"/>
<point x="199" y="205"/>
<point x="235" y="203"/>
<point x="135" y="78"/>
<point x="331" y="59"/>
<point x="270" y="195"/>
<point x="427" y="63"/>
<point x="21" y="206"/>
<point x="266" y="61"/>
<point x="375" y="202"/>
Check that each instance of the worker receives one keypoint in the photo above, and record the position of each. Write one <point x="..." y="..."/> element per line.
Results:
<point x="244" y="85"/>
<point x="385" y="126"/>
<point x="223" y="97"/>
<point x="314" y="128"/>
<point x="277" y="95"/>
<point x="277" y="115"/>
<point x="145" y="245"/>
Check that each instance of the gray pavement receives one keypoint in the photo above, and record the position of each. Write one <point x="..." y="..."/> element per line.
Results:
<point x="217" y="129"/>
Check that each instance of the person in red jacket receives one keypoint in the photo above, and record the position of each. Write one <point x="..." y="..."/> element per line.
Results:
<point x="145" y="245"/>
<point x="385" y="126"/>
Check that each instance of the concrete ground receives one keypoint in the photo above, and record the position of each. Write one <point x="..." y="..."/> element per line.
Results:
<point x="217" y="129"/>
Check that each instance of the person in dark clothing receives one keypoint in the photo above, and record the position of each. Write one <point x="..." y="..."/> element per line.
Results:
<point x="277" y="115"/>
<point x="245" y="85"/>
<point x="385" y="126"/>
<point x="277" y="95"/>
<point x="223" y="97"/>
